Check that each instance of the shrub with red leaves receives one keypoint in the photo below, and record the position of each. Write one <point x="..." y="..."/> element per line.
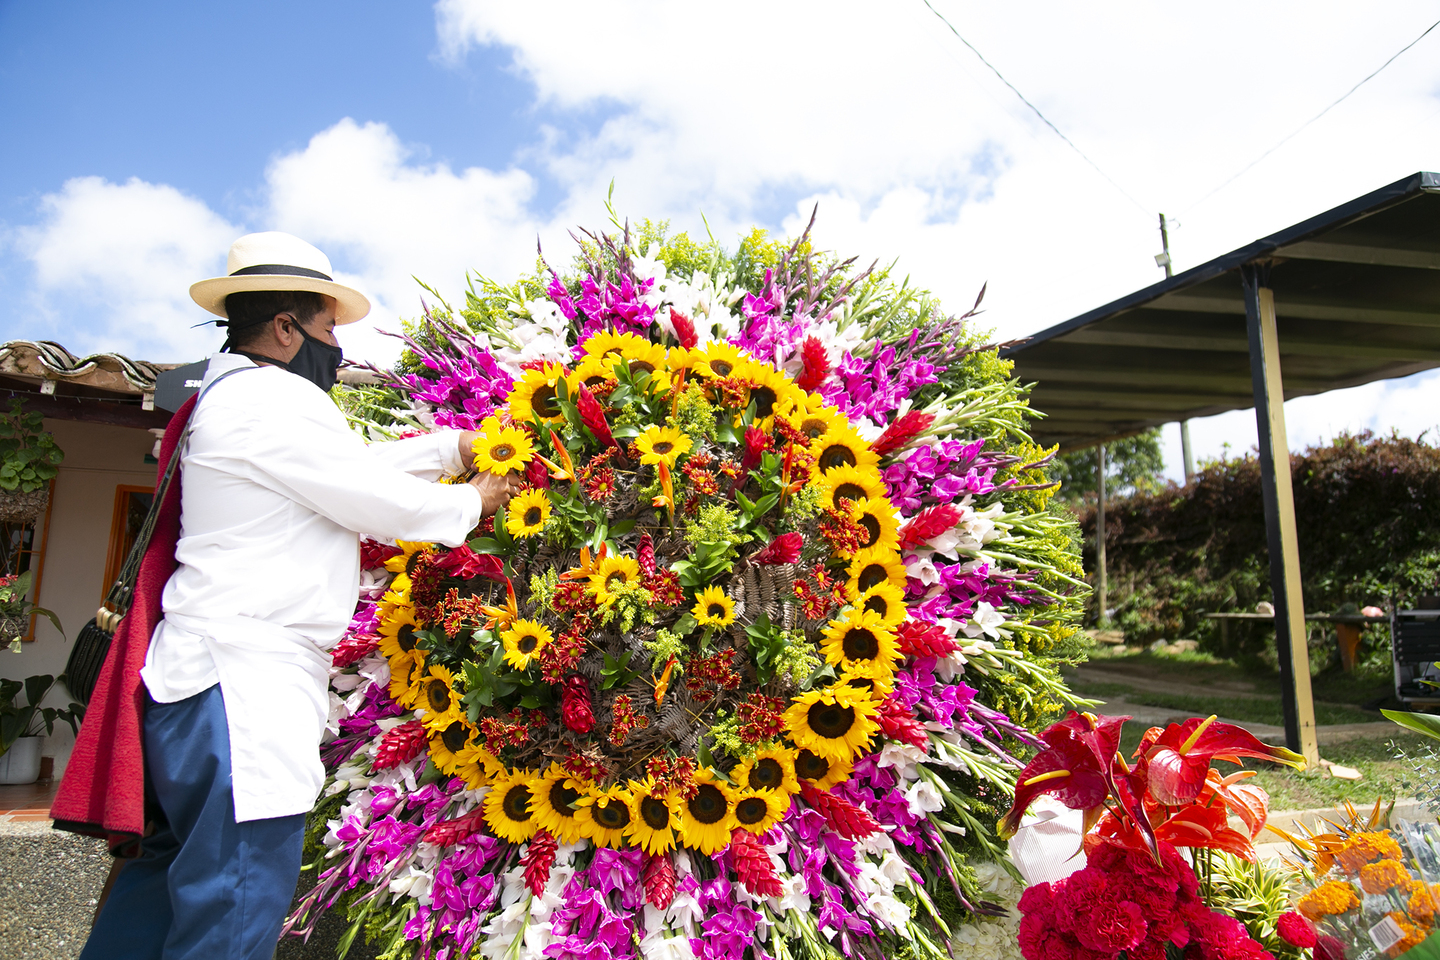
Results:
<point x="374" y="554"/>
<point x="593" y="417"/>
<point x="447" y="833"/>
<point x="919" y="639"/>
<point x="354" y="648"/>
<point x="814" y="365"/>
<point x="783" y="549"/>
<point x="898" y="722"/>
<point x="684" y="329"/>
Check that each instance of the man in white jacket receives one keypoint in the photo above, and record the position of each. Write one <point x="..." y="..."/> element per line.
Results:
<point x="275" y="489"/>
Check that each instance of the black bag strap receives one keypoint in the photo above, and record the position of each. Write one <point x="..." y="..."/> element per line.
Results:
<point x="122" y="591"/>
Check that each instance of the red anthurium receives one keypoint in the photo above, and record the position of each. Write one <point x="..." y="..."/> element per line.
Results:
<point x="1099" y="735"/>
<point x="1198" y="826"/>
<point x="1069" y="771"/>
<point x="1178" y="763"/>
<point x="1247" y="801"/>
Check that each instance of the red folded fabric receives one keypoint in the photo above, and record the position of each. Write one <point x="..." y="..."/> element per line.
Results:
<point x="102" y="793"/>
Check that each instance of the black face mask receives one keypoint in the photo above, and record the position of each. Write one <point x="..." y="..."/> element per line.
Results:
<point x="317" y="361"/>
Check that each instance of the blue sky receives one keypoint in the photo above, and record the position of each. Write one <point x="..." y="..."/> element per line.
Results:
<point x="409" y="140"/>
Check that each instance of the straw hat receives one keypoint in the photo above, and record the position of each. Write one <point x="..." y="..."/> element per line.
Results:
<point x="278" y="261"/>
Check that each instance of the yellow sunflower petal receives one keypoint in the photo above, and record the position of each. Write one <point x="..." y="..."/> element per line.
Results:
<point x="835" y="723"/>
<point x="712" y="608"/>
<point x="527" y="512"/>
<point x="507" y="807"/>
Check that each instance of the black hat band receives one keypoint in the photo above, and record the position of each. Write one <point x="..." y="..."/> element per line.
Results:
<point x="281" y="269"/>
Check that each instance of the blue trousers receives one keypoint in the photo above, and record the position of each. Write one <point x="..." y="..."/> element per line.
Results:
<point x="203" y="886"/>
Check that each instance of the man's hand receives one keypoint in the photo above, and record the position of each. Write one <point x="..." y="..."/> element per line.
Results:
<point x="495" y="491"/>
<point x="467" y="446"/>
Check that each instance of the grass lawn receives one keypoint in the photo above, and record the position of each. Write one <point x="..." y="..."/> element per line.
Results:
<point x="1292" y="790"/>
<point x="1252" y="709"/>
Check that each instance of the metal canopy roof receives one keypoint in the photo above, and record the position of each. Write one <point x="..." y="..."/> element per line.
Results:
<point x="1357" y="294"/>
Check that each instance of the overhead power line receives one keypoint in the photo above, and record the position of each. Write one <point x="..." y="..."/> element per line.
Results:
<point x="1297" y="130"/>
<point x="1036" y="110"/>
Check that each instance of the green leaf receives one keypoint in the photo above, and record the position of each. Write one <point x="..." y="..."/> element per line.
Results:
<point x="1426" y="723"/>
<point x="685" y="624"/>
<point x="501" y="534"/>
<point x="486" y="545"/>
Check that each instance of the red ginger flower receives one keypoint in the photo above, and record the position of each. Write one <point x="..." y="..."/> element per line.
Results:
<point x="645" y="555"/>
<point x="537" y="474"/>
<point x="898" y="722"/>
<point x="462" y="563"/>
<point x="920" y="640"/>
<point x="814" y="365"/>
<point x="756" y="443"/>
<point x="447" y="833"/>
<point x="752" y="864"/>
<point x="659" y="880"/>
<point x="401" y="744"/>
<point x="783" y="549"/>
<point x="1295" y="930"/>
<point x="538" y="859"/>
<point x="354" y="648"/>
<point x="374" y="554"/>
<point x="846" y="819"/>
<point x="901" y="432"/>
<point x="928" y="524"/>
<point x="575" y="708"/>
<point x="593" y="417"/>
<point x="684" y="329"/>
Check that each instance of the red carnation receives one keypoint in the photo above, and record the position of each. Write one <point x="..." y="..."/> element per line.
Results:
<point x="1111" y="926"/>
<point x="659" y="880"/>
<point x="353" y="649"/>
<point x="593" y="417"/>
<point x="538" y="859"/>
<point x="928" y="524"/>
<point x="920" y="640"/>
<point x="846" y="819"/>
<point x="901" y="432"/>
<point x="575" y="708"/>
<point x="447" y="833"/>
<point x="783" y="549"/>
<point x="814" y="365"/>
<point x="400" y="745"/>
<point x="1295" y="930"/>
<point x="684" y="329"/>
<point x="752" y="864"/>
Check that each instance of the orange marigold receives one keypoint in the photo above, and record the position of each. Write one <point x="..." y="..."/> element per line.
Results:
<point x="1383" y="877"/>
<point x="1366" y="848"/>
<point x="1413" y="934"/>
<point x="1330" y="898"/>
<point x="1421" y="904"/>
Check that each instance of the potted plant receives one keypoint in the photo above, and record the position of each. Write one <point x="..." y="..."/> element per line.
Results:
<point x="15" y="610"/>
<point x="21" y="724"/>
<point x="29" y="459"/>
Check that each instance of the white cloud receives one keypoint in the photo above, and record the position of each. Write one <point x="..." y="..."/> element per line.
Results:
<point x="114" y="262"/>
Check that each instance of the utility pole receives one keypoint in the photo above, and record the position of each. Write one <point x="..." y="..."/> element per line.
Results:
<point x="1162" y="259"/>
<point x="1101" y="616"/>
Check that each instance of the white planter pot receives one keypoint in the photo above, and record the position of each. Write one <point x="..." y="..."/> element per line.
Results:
<point x="21" y="763"/>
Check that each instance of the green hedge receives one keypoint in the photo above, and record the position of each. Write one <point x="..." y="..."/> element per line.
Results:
<point x="1368" y="513"/>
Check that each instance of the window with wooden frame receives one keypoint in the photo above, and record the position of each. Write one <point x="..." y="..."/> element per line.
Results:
<point x="22" y="547"/>
<point x="131" y="505"/>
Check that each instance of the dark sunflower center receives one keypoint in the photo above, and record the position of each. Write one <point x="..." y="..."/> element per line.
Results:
<point x="764" y="399"/>
<point x="454" y="737"/>
<point x="663" y="447"/>
<point x="831" y="720"/>
<point x="405" y="636"/>
<point x="873" y="575"/>
<point x="502" y="452"/>
<point x="655" y="812"/>
<point x="616" y="575"/>
<point x="708" y="805"/>
<point x="862" y="683"/>
<point x="878" y="604"/>
<point x="751" y="810"/>
<point x="811" y="766"/>
<point x="594" y="381"/>
<point x="715" y="610"/>
<point x="766" y="774"/>
<point x="527" y="643"/>
<point x="860" y="644"/>
<point x="517" y="802"/>
<point x="836" y="455"/>
<point x="722" y="368"/>
<point x="562" y="798"/>
<point x="813" y="427"/>
<point x="544" y="402"/>
<point x="848" y="491"/>
<point x="437" y="694"/>
<point x="412" y="561"/>
<point x="532" y="517"/>
<point x="872" y="527"/>
<point x="641" y="366"/>
<point x="613" y="816"/>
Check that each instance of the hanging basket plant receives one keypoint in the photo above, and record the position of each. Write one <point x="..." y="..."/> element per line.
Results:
<point x="29" y="460"/>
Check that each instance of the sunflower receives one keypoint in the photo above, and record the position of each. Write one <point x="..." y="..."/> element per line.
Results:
<point x="875" y="680"/>
<point x="501" y="449"/>
<point x="606" y="345"/>
<point x="536" y="396"/>
<point x="681" y="361"/>
<point x="707" y="818"/>
<point x="593" y="371"/>
<point x="860" y="637"/>
<point x="821" y="772"/>
<point x="771" y="390"/>
<point x="870" y="568"/>
<point x="447" y="745"/>
<point x="662" y="445"/>
<point x="835" y="723"/>
<point x="405" y="673"/>
<point x="770" y="769"/>
<point x="478" y="767"/>
<point x="645" y="356"/>
<point x="884" y="598"/>
<point x="437" y="694"/>
<point x="841" y="446"/>
<point x="524" y="641"/>
<point x="527" y="512"/>
<point x="396" y="595"/>
<point x="759" y="810"/>
<point x="507" y="806"/>
<point x="605" y="815"/>
<point x="849" y="483"/>
<point x="613" y="572"/>
<point x="719" y="359"/>
<point x="552" y="801"/>
<point x="712" y="608"/>
<point x="814" y="423"/>
<point x="404" y="562"/>
<point x="397" y="632"/>
<point x="876" y="515"/>
<point x="653" y="827"/>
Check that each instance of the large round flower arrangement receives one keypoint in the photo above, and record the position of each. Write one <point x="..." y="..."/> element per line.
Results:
<point x="710" y="684"/>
